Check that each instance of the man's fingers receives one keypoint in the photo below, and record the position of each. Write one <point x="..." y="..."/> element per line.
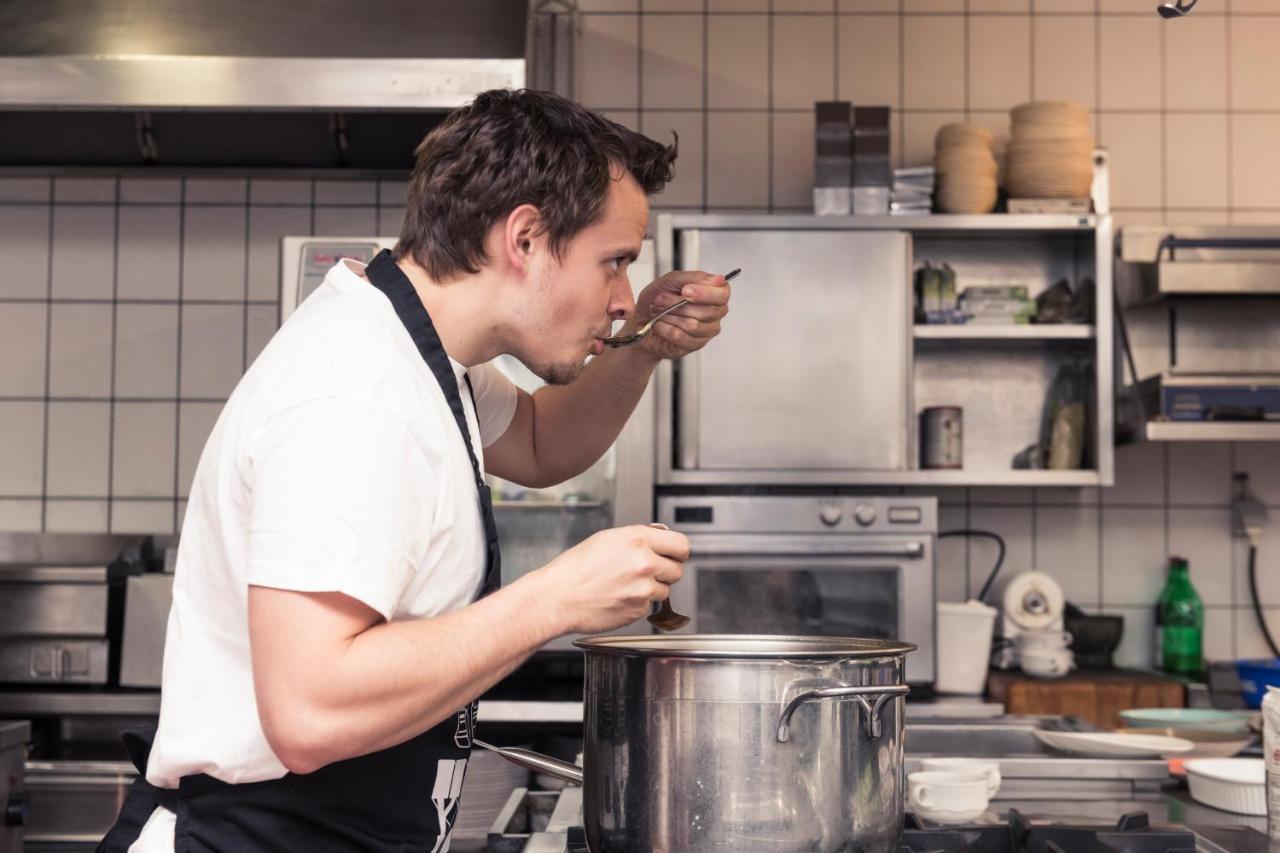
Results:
<point x="703" y="292"/>
<point x="667" y="543"/>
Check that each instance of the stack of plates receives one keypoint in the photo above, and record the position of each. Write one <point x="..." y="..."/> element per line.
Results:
<point x="488" y="784"/>
<point x="966" y="169"/>
<point x="1050" y="152"/>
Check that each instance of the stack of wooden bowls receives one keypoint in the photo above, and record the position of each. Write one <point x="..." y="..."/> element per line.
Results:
<point x="1050" y="151"/>
<point x="966" y="169"/>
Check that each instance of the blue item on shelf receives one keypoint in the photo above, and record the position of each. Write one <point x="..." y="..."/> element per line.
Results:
<point x="1256" y="676"/>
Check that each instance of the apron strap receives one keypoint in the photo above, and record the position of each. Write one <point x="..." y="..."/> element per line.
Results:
<point x="387" y="276"/>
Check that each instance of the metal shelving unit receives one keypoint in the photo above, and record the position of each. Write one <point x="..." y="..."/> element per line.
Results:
<point x="1184" y="272"/>
<point x="1065" y="332"/>
<point x="999" y="374"/>
<point x="1213" y="431"/>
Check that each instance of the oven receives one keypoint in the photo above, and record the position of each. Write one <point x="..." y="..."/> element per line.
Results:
<point x="837" y="565"/>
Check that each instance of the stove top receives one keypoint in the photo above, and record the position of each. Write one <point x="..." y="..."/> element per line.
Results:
<point x="1132" y="834"/>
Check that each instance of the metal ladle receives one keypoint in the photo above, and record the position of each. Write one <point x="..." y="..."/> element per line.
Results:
<point x="639" y="334"/>
<point x="664" y="618"/>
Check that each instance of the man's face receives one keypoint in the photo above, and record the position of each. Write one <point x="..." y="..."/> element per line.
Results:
<point x="576" y="299"/>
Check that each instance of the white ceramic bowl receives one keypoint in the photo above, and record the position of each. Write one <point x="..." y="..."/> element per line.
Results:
<point x="1236" y="785"/>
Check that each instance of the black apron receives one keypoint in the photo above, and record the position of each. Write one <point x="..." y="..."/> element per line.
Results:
<point x="404" y="798"/>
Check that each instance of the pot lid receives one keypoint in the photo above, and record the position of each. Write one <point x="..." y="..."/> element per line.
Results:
<point x="750" y="646"/>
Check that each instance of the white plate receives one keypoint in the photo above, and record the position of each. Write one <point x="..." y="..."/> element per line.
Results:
<point x="1115" y="745"/>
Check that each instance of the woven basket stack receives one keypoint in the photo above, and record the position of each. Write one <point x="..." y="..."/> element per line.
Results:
<point x="966" y="169"/>
<point x="1050" y="154"/>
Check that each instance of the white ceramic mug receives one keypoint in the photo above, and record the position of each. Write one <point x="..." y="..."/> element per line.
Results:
<point x="947" y="796"/>
<point x="989" y="769"/>
<point x="1042" y="641"/>
<point x="1048" y="664"/>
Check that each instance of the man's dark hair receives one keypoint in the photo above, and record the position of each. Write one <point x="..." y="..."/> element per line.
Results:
<point x="508" y="148"/>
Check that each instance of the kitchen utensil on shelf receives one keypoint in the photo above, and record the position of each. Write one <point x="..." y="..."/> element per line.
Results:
<point x="1114" y="745"/>
<point x="1209" y="719"/>
<point x="664" y="618"/>
<point x="1237" y="785"/>
<point x="705" y="741"/>
<point x="948" y="796"/>
<point x="640" y="333"/>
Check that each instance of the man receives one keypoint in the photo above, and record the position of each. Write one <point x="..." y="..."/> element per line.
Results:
<point x="325" y="630"/>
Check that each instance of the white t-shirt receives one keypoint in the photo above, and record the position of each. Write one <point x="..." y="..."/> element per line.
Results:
<point x="335" y="466"/>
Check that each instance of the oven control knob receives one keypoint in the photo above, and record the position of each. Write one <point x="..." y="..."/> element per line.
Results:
<point x="831" y="514"/>
<point x="864" y="514"/>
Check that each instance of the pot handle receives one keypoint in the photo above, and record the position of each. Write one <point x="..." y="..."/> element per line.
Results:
<point x="537" y="762"/>
<point x="871" y="711"/>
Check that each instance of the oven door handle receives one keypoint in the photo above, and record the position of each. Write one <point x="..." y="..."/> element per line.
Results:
<point x="911" y="550"/>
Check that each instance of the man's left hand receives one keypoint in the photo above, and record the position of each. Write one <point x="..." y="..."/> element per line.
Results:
<point x="689" y="327"/>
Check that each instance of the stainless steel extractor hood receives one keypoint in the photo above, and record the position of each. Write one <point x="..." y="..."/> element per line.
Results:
<point x="234" y="83"/>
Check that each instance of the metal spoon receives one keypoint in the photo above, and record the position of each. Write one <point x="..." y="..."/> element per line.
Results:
<point x="1176" y="9"/>
<point x="664" y="618"/>
<point x="639" y="334"/>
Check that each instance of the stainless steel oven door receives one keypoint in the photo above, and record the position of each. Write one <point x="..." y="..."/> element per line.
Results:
<point x="835" y="585"/>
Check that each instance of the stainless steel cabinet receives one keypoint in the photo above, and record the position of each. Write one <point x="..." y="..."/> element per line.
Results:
<point x="813" y="371"/>
<point x="819" y="375"/>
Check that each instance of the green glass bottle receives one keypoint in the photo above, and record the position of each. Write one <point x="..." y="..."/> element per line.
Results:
<point x="1180" y="622"/>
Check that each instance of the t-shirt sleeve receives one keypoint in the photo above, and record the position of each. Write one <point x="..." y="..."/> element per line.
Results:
<point x="495" y="401"/>
<point x="342" y="499"/>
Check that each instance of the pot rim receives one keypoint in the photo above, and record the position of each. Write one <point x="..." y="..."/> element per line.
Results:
<point x="744" y="646"/>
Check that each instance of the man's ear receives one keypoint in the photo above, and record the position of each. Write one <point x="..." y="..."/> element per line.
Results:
<point x="521" y="236"/>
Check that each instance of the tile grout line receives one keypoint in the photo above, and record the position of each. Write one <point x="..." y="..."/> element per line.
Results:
<point x="48" y="361"/>
<point x="1228" y="73"/>
<point x="706" y="102"/>
<point x="177" y="407"/>
<point x="115" y="342"/>
<point x="769" y="129"/>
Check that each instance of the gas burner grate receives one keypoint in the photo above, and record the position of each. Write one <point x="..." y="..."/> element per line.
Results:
<point x="1131" y="834"/>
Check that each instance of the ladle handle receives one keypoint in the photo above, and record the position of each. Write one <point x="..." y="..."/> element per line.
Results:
<point x="536" y="761"/>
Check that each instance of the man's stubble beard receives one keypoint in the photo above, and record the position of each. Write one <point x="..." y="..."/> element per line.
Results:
<point x="562" y="373"/>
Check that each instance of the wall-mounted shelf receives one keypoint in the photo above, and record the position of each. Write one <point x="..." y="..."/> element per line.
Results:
<point x="1213" y="431"/>
<point x="1064" y="332"/>
<point x="1002" y="376"/>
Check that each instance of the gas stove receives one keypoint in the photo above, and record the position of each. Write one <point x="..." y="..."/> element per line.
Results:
<point x="1133" y="833"/>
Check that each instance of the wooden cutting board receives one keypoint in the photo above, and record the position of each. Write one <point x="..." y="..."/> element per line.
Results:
<point x="1095" y="695"/>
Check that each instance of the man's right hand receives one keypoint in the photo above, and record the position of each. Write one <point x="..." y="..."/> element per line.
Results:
<point x="612" y="578"/>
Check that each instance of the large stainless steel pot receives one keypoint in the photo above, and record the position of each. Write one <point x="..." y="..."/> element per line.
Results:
<point x="743" y="743"/>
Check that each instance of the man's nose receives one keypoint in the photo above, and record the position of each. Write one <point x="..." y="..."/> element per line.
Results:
<point x="623" y="305"/>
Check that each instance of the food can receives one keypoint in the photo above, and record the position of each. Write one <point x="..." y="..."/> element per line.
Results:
<point x="942" y="437"/>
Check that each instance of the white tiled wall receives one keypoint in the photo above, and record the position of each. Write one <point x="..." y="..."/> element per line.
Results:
<point x="130" y="308"/>
<point x="1189" y="108"/>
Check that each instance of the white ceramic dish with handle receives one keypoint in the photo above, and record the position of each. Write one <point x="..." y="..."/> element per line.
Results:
<point x="1237" y="785"/>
